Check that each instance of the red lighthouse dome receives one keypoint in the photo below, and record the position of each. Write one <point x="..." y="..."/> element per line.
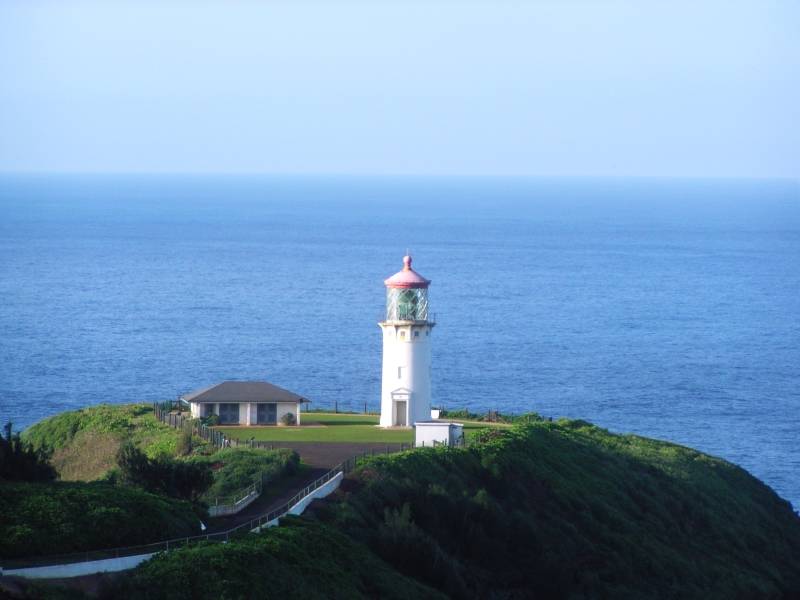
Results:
<point x="408" y="278"/>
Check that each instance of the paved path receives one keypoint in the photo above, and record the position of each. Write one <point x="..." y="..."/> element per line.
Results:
<point x="321" y="457"/>
<point x="330" y="454"/>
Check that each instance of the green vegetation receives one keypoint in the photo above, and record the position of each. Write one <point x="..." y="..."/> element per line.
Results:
<point x="129" y="454"/>
<point x="568" y="509"/>
<point x="543" y="509"/>
<point x="19" y="461"/>
<point x="235" y="469"/>
<point x="86" y="446"/>
<point x="175" y="478"/>
<point x="84" y="443"/>
<point x="298" y="560"/>
<point x="336" y="427"/>
<point x="61" y="517"/>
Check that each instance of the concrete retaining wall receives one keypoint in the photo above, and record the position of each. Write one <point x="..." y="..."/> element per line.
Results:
<point x="108" y="565"/>
<point x="322" y="491"/>
<point x="231" y="509"/>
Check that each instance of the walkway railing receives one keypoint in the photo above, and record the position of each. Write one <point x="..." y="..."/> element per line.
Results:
<point x="166" y="545"/>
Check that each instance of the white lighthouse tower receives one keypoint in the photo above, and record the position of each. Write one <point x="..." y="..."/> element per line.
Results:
<point x="406" y="385"/>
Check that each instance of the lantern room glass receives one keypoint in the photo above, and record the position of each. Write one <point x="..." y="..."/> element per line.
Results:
<point x="407" y="304"/>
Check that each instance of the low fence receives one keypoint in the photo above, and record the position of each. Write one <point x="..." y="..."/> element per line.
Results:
<point x="234" y="503"/>
<point x="164" y="412"/>
<point x="222" y="507"/>
<point x="120" y="559"/>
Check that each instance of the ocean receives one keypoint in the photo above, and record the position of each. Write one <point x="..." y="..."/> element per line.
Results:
<point x="666" y="308"/>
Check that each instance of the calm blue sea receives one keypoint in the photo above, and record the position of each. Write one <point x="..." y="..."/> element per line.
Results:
<point x="667" y="308"/>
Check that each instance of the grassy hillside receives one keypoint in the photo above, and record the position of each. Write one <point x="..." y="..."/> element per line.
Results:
<point x="300" y="560"/>
<point x="85" y="441"/>
<point x="235" y="469"/>
<point x="567" y="509"/>
<point x="340" y="427"/>
<point x="85" y="444"/>
<point x="59" y="517"/>
<point x="562" y="510"/>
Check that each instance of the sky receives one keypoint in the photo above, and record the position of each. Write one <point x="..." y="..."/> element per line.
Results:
<point x="561" y="88"/>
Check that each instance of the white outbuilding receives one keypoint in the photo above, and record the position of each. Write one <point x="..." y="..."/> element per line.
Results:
<point x="434" y="433"/>
<point x="245" y="403"/>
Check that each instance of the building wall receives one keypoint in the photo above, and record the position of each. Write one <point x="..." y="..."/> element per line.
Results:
<point x="287" y="407"/>
<point x="248" y="411"/>
<point x="406" y="365"/>
<point x="442" y="433"/>
<point x="252" y="414"/>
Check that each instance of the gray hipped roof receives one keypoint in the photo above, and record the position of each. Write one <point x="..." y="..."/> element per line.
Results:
<point x="243" y="391"/>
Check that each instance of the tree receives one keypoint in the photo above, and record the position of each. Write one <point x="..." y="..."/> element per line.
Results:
<point x="175" y="478"/>
<point x="184" y="445"/>
<point x="20" y="462"/>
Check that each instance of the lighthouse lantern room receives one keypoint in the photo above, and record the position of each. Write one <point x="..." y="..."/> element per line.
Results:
<point x="406" y="382"/>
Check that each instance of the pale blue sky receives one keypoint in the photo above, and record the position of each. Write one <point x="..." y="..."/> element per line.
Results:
<point x="699" y="88"/>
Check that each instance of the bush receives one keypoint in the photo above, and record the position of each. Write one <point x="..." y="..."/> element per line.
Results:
<point x="175" y="478"/>
<point x="58" y="517"/>
<point x="210" y="420"/>
<point x="19" y="461"/>
<point x="184" y="445"/>
<point x="297" y="560"/>
<point x="288" y="419"/>
<point x="99" y="430"/>
<point x="570" y="510"/>
<point x="236" y="468"/>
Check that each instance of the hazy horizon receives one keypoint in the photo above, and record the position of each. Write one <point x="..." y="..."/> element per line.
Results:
<point x="539" y="89"/>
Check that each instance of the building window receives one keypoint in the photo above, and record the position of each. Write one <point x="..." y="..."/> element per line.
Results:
<point x="229" y="413"/>
<point x="402" y="335"/>
<point x="416" y="334"/>
<point x="399" y="372"/>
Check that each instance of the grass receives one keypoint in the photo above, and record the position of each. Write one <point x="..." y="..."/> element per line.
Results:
<point x="566" y="509"/>
<point x="84" y="442"/>
<point x="60" y="517"/>
<point x="298" y="560"/>
<point x="337" y="427"/>
<point x="235" y="469"/>
<point x="539" y="510"/>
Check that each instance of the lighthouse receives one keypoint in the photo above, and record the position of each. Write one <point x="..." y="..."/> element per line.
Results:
<point x="406" y="381"/>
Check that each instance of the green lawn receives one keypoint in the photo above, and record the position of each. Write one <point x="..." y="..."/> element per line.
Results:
<point x="329" y="427"/>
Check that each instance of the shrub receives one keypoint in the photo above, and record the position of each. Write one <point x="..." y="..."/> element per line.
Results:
<point x="59" y="517"/>
<point x="288" y="419"/>
<point x="99" y="430"/>
<point x="178" y="479"/>
<point x="570" y="510"/>
<point x="297" y="560"/>
<point x="236" y="468"/>
<point x="184" y="445"/>
<point x="19" y="461"/>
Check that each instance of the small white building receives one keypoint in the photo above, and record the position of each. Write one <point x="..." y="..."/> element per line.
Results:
<point x="433" y="433"/>
<point x="245" y="403"/>
<point x="407" y="328"/>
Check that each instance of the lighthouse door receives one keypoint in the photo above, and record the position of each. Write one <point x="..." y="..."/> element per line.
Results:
<point x="400" y="413"/>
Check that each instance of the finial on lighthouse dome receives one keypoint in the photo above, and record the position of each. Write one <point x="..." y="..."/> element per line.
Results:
<point x="408" y="278"/>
